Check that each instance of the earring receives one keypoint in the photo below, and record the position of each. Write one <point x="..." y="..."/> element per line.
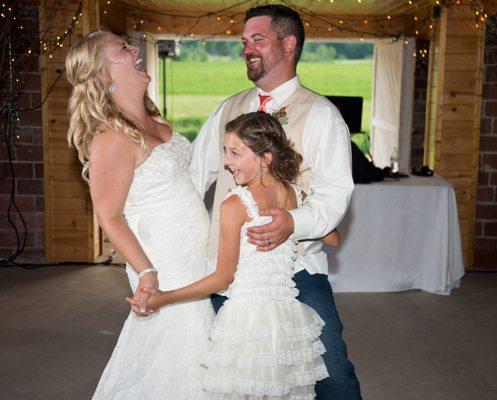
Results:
<point x="112" y="88"/>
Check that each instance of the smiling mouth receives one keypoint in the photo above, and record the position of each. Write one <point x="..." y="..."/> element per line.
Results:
<point x="253" y="60"/>
<point x="234" y="171"/>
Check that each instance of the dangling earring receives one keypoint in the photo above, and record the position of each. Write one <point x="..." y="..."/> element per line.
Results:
<point x="112" y="88"/>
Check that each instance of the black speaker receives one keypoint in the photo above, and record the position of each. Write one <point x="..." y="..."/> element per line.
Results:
<point x="351" y="109"/>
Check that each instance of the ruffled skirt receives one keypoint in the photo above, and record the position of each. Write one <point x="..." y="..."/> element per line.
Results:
<point x="265" y="350"/>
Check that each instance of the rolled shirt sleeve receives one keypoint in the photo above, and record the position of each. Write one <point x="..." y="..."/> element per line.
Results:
<point x="326" y="148"/>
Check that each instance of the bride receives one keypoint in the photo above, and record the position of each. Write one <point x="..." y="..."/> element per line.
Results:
<point x="137" y="171"/>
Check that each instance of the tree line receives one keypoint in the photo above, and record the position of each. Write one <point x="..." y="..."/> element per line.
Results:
<point x="314" y="51"/>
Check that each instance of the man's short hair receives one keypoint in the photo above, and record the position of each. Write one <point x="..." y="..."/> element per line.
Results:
<point x="284" y="21"/>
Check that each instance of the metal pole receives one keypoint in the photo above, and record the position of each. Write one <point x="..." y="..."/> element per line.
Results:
<point x="164" y="107"/>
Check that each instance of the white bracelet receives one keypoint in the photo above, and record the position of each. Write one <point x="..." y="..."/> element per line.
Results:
<point x="147" y="271"/>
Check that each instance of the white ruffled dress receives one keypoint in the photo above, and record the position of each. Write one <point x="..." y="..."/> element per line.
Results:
<point x="265" y="343"/>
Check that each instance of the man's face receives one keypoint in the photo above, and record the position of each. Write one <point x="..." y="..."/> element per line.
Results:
<point x="262" y="49"/>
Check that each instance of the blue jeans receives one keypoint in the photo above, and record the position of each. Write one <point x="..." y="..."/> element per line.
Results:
<point x="315" y="291"/>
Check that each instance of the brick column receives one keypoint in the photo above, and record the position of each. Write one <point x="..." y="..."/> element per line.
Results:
<point x="485" y="254"/>
<point x="27" y="152"/>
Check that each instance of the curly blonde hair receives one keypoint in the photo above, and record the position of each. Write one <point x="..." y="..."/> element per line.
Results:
<point x="90" y="105"/>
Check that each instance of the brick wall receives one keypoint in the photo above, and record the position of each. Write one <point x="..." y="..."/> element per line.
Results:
<point x="485" y="255"/>
<point x="27" y="151"/>
<point x="419" y="112"/>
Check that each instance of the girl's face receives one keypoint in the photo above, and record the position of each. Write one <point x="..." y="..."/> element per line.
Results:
<point x="242" y="162"/>
<point x="124" y="64"/>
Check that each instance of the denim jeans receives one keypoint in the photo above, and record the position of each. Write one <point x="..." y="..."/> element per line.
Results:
<point x="315" y="291"/>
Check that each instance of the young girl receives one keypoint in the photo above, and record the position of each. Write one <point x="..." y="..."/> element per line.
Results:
<point x="265" y="343"/>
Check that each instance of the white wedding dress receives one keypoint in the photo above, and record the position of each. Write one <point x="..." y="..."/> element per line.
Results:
<point x="159" y="357"/>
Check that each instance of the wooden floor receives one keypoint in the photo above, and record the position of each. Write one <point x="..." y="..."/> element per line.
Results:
<point x="59" y="326"/>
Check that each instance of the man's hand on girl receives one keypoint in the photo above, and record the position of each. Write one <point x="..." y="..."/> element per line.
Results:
<point x="268" y="237"/>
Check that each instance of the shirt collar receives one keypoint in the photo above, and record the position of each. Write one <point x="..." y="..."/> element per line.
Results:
<point x="282" y="92"/>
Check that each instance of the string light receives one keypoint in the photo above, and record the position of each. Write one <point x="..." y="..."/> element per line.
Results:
<point x="421" y="25"/>
<point x="52" y="45"/>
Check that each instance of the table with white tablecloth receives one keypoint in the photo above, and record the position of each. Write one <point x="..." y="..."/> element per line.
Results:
<point x="399" y="235"/>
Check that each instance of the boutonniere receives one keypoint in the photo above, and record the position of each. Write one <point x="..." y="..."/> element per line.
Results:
<point x="281" y="116"/>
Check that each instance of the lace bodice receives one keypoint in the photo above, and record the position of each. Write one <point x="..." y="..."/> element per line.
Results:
<point x="262" y="275"/>
<point x="166" y="213"/>
<point x="166" y="167"/>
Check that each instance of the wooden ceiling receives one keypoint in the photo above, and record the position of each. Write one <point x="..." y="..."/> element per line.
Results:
<point x="326" y="7"/>
<point x="323" y="18"/>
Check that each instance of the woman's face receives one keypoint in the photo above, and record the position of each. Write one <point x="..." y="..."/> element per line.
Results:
<point x="124" y="64"/>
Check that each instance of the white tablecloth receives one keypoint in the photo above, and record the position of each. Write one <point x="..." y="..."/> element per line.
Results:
<point x="399" y="235"/>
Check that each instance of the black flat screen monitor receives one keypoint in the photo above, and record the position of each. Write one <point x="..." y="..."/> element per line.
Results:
<point x="351" y="109"/>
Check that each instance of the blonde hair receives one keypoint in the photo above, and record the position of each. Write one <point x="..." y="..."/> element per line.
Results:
<point x="90" y="105"/>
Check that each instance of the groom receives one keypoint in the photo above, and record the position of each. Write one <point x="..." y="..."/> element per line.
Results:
<point x="273" y="38"/>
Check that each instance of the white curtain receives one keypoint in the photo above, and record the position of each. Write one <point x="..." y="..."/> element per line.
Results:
<point x="393" y="88"/>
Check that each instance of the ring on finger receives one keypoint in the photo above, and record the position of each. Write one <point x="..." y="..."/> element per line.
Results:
<point x="269" y="241"/>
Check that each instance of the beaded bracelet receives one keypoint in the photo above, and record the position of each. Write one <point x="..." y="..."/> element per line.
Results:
<point x="146" y="271"/>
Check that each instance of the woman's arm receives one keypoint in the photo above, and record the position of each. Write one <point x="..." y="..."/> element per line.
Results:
<point x="233" y="215"/>
<point x="112" y="163"/>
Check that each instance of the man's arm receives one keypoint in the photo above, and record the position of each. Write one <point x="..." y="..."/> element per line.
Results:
<point x="204" y="166"/>
<point x="326" y="148"/>
<point x="326" y="144"/>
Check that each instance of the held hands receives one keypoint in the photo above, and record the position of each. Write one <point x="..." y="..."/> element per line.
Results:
<point x="268" y="237"/>
<point x="139" y="302"/>
<point x="155" y="299"/>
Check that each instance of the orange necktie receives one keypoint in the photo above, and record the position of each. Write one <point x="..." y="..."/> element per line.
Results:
<point x="264" y="99"/>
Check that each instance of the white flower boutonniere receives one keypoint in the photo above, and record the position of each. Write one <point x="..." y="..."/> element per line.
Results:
<point x="281" y="116"/>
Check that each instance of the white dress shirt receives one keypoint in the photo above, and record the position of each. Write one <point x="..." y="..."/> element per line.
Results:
<point x="326" y="149"/>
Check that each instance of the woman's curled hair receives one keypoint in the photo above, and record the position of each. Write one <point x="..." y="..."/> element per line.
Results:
<point x="262" y="133"/>
<point x="91" y="106"/>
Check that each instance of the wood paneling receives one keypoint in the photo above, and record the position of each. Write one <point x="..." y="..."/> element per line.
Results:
<point x="68" y="212"/>
<point x="453" y="113"/>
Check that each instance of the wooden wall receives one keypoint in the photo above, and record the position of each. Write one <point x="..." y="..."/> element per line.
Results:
<point x="453" y="112"/>
<point x="69" y="225"/>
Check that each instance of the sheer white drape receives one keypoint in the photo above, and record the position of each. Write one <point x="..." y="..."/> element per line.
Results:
<point x="393" y="88"/>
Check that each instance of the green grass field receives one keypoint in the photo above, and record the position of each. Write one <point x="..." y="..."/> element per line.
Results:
<point x="195" y="89"/>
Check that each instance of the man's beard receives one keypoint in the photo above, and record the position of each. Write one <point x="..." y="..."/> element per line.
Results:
<point x="254" y="74"/>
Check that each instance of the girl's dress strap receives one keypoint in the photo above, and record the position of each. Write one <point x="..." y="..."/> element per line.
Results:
<point x="299" y="194"/>
<point x="247" y="200"/>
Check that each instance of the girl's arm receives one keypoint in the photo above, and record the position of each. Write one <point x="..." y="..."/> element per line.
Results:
<point x="332" y="239"/>
<point x="232" y="216"/>
<point x="112" y="163"/>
